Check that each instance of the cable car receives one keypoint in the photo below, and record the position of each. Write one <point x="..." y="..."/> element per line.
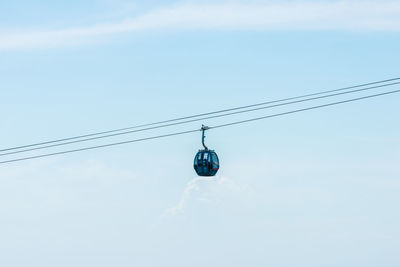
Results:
<point x="206" y="162"/>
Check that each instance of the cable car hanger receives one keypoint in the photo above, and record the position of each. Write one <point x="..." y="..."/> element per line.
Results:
<point x="203" y="129"/>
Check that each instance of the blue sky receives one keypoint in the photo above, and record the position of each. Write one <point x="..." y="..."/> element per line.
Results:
<point x="318" y="188"/>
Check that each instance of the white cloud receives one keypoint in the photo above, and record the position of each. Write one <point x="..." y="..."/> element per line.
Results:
<point x="193" y="185"/>
<point x="263" y="16"/>
<point x="208" y="190"/>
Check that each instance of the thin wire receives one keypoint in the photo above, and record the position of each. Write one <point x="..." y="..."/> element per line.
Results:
<point x="213" y="127"/>
<point x="304" y="109"/>
<point x="100" y="146"/>
<point x="194" y="120"/>
<point x="194" y="116"/>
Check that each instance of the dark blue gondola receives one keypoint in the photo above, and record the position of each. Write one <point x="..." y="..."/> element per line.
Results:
<point x="206" y="162"/>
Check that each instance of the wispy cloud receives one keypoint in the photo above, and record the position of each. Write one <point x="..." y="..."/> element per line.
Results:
<point x="191" y="187"/>
<point x="207" y="190"/>
<point x="352" y="15"/>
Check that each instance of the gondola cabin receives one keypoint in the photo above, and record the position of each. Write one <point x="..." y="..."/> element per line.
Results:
<point x="206" y="163"/>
